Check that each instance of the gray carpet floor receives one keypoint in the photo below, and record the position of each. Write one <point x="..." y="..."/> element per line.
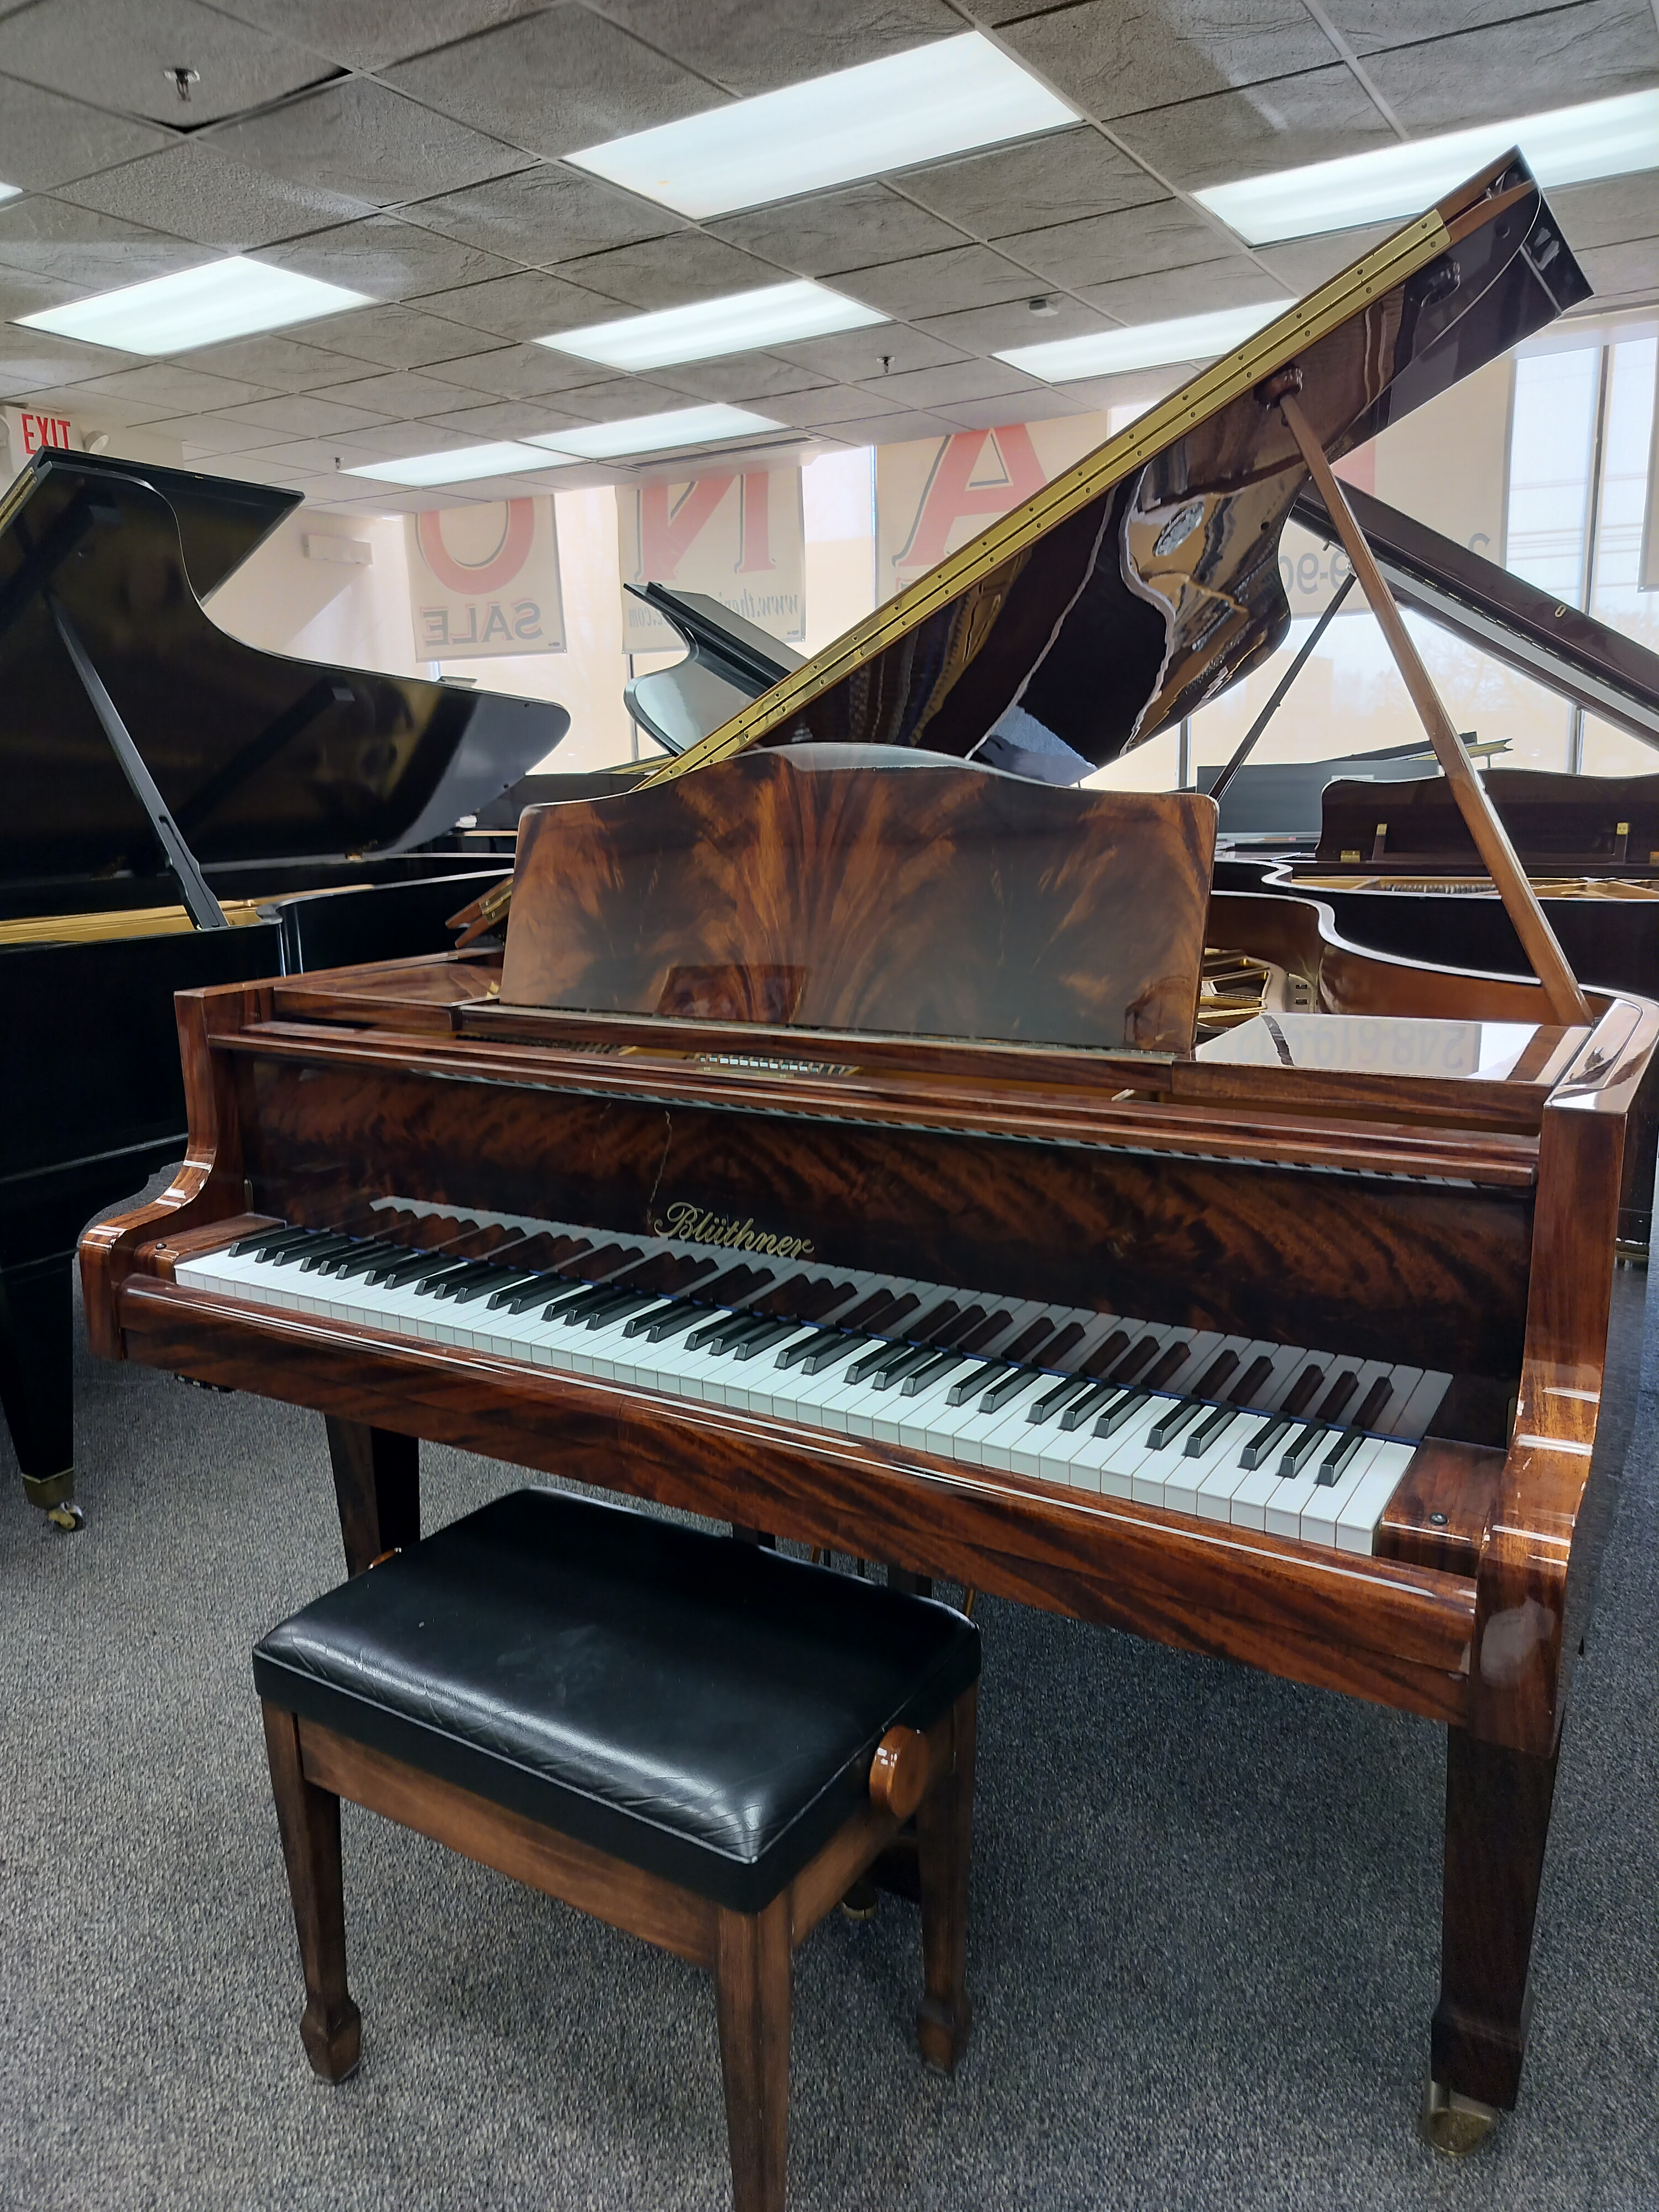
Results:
<point x="1203" y="1954"/>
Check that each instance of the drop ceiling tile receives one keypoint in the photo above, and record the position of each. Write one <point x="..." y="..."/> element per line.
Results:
<point x="957" y="381"/>
<point x="297" y="415"/>
<point x="739" y="377"/>
<point x="1371" y="26"/>
<point x="1591" y="52"/>
<point x="729" y="41"/>
<point x="46" y="140"/>
<point x="555" y="83"/>
<point x="174" y="388"/>
<point x="1281" y="124"/>
<point x="666" y="272"/>
<point x="84" y="250"/>
<point x="118" y="55"/>
<point x="386" y="257"/>
<point x="829" y="404"/>
<point x="284" y="364"/>
<point x="527" y="305"/>
<point x="401" y="393"/>
<point x="1116" y="57"/>
<point x="366" y="34"/>
<point x="851" y="356"/>
<point x="1611" y="213"/>
<point x="543" y="215"/>
<point x="315" y="457"/>
<point x="399" y="338"/>
<point x="359" y="138"/>
<point x="935" y="283"/>
<point x="1040" y="181"/>
<point x="32" y="363"/>
<point x="527" y="372"/>
<point x="205" y="435"/>
<point x="1629" y="272"/>
<point x="1304" y="264"/>
<point x="196" y="193"/>
<point x="829" y="231"/>
<point x="994" y="330"/>
<point x="1100" y="249"/>
<point x="1041" y="405"/>
<point x="508" y="419"/>
<point x="1194" y="290"/>
<point x="24" y="294"/>
<point x="903" y="424"/>
<point x="615" y="399"/>
<point x="396" y="440"/>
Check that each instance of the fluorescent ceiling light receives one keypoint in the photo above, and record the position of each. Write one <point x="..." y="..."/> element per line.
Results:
<point x="1570" y="146"/>
<point x="461" y="466"/>
<point x="657" y="433"/>
<point x="776" y="314"/>
<point x="9" y="191"/>
<point x="230" y="299"/>
<point x="945" y="98"/>
<point x="1146" y="345"/>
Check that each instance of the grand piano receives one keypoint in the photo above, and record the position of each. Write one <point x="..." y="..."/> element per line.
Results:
<point x="179" y="809"/>
<point x="849" y="1142"/>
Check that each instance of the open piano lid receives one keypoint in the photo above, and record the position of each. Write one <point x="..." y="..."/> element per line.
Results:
<point x="1145" y="579"/>
<point x="256" y="756"/>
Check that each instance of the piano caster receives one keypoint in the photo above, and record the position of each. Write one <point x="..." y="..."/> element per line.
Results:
<point x="861" y="1899"/>
<point x="1454" y="2125"/>
<point x="54" y="1494"/>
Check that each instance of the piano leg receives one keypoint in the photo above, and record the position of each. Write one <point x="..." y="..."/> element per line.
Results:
<point x="377" y="1486"/>
<point x="37" y="1344"/>
<point x="1498" y="1818"/>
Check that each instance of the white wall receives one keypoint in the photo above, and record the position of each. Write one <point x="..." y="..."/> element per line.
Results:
<point x="283" y="600"/>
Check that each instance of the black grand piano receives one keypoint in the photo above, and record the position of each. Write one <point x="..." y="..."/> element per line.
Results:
<point x="176" y="809"/>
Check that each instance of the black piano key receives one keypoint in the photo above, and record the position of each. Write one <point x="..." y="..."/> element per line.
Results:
<point x="707" y="1329"/>
<point x="742" y="1328"/>
<point x="1053" y="1401"/>
<point x="1167" y="1365"/>
<point x="935" y="1371"/>
<point x="870" y="1361"/>
<point x="381" y="1252"/>
<point x="396" y="1273"/>
<point x="626" y="1303"/>
<point x="1302" y="1447"/>
<point x="1020" y="1352"/>
<point x="1080" y="1409"/>
<point x="1252" y="1380"/>
<point x="528" y="1293"/>
<point x="668" y="1325"/>
<point x="986" y="1370"/>
<point x="924" y="1329"/>
<point x="1343" y="1447"/>
<point x="1375" y="1404"/>
<point x="1133" y="1360"/>
<point x="1300" y="1393"/>
<point x="1100" y="1360"/>
<point x="1065" y="1343"/>
<point x="914" y="1359"/>
<point x="1330" y="1406"/>
<point x="806" y="1346"/>
<point x="1209" y="1383"/>
<point x="332" y="1247"/>
<point x="1214" y="1423"/>
<point x="500" y="1279"/>
<point x="1167" y="1426"/>
<point x="317" y="1245"/>
<point x="1265" y="1441"/>
<point x="1010" y="1386"/>
<point x="427" y="1285"/>
<point x="476" y="1271"/>
<point x="828" y="1355"/>
<point x="990" y="1327"/>
<point x="262" y="1240"/>
<point x="947" y="1335"/>
<point x="773" y="1333"/>
<point x="1122" y="1409"/>
<point x="564" y="1297"/>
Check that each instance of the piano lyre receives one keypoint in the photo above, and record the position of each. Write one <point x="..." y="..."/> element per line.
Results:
<point x="838" y="1148"/>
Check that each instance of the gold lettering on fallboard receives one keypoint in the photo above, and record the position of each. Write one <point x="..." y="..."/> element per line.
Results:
<point x="692" y="1224"/>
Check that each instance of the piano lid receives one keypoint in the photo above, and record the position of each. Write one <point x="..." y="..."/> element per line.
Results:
<point x="1145" y="579"/>
<point x="256" y="756"/>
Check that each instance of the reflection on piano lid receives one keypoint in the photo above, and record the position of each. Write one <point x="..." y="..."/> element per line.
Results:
<point x="254" y="756"/>
<point x="1145" y="579"/>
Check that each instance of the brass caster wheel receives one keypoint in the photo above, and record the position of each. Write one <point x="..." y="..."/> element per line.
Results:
<point x="1452" y="2124"/>
<point x="67" y="1517"/>
<point x="861" y="1899"/>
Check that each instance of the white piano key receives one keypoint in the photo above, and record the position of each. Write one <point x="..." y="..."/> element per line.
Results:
<point x="1302" y="1493"/>
<point x="1110" y="1462"/>
<point x="1188" y="1477"/>
<point x="1364" y="1507"/>
<point x="1424" y="1405"/>
<point x="1324" y="1508"/>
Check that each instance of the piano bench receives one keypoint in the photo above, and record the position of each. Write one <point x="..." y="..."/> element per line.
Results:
<point x="687" y="1736"/>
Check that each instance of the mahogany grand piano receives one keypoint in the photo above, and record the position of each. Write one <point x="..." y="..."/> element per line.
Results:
<point x="847" y="1143"/>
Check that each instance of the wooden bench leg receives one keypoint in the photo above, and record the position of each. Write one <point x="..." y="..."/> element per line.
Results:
<point x="330" y="2028"/>
<point x="945" y="1821"/>
<point x="751" y="1987"/>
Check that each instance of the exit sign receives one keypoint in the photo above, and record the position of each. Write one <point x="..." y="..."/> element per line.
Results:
<point x="27" y="433"/>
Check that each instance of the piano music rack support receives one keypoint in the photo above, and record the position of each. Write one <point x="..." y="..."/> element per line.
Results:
<point x="1567" y="1002"/>
<point x="204" y="910"/>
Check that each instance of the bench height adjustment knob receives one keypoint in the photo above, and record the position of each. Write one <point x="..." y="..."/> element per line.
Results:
<point x="898" y="1775"/>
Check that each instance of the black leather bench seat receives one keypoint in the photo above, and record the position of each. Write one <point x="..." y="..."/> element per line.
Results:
<point x="701" y="1708"/>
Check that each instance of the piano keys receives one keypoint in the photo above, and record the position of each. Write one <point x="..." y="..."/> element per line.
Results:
<point x="838" y="1103"/>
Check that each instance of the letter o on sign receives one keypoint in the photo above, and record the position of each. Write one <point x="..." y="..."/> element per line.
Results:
<point x="480" y="579"/>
